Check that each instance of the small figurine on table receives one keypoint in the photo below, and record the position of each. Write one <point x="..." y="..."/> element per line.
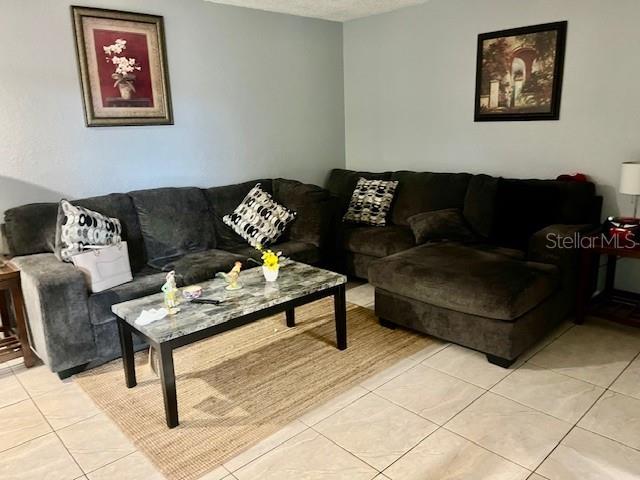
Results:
<point x="170" y="291"/>
<point x="232" y="277"/>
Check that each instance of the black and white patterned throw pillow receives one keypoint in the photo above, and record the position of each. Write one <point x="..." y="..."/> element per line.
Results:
<point x="371" y="201"/>
<point x="78" y="227"/>
<point x="259" y="219"/>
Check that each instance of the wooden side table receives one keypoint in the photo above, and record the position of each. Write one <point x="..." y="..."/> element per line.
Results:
<point x="13" y="345"/>
<point x="613" y="304"/>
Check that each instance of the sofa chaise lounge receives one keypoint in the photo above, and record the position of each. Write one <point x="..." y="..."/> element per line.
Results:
<point x="498" y="294"/>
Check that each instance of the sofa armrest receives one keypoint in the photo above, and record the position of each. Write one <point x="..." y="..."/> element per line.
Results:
<point x="55" y="295"/>
<point x="557" y="244"/>
<point x="560" y="245"/>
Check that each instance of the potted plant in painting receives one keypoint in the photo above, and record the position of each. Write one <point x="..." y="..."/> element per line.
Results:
<point x="123" y="76"/>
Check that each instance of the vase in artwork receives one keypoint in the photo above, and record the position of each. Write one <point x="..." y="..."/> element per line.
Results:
<point x="270" y="273"/>
<point x="126" y="90"/>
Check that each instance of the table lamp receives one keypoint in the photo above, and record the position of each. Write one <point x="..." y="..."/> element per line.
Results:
<point x="630" y="182"/>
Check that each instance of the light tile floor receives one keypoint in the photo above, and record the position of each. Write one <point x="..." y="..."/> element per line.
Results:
<point x="569" y="410"/>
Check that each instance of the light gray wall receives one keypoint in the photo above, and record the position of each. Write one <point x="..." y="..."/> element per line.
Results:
<point x="255" y="94"/>
<point x="409" y="94"/>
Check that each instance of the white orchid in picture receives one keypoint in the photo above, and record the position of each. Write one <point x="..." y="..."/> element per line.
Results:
<point x="123" y="74"/>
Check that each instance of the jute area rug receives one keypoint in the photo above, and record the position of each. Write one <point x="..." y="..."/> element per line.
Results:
<point x="239" y="387"/>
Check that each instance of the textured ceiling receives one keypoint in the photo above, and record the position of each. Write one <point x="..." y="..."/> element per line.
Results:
<point x="337" y="10"/>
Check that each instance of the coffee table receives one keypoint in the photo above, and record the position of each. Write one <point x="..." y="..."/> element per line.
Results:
<point x="297" y="284"/>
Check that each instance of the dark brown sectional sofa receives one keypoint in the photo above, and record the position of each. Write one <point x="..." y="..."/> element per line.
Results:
<point x="498" y="294"/>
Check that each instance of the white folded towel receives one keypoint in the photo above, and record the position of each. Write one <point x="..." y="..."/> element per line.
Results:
<point x="148" y="316"/>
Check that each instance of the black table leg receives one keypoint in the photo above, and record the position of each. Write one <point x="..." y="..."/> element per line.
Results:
<point x="291" y="318"/>
<point x="168" y="380"/>
<point x="584" y="285"/>
<point x="610" y="279"/>
<point x="340" y="308"/>
<point x="126" y="344"/>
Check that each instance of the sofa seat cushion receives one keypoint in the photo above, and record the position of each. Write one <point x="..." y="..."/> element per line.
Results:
<point x="466" y="279"/>
<point x="299" y="251"/>
<point x="147" y="282"/>
<point x="377" y="241"/>
<point x="200" y="266"/>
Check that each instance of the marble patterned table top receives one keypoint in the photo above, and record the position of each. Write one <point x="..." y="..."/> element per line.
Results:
<point x="295" y="280"/>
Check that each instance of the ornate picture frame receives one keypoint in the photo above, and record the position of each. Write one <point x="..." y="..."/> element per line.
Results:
<point x="122" y="60"/>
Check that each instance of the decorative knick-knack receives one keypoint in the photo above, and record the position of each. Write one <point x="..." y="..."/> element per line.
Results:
<point x="170" y="291"/>
<point x="232" y="277"/>
<point x="270" y="263"/>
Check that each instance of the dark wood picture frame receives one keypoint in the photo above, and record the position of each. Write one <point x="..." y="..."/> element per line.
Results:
<point x="483" y="109"/>
<point x="105" y="111"/>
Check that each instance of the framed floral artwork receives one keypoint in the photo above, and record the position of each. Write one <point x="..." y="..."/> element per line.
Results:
<point x="519" y="73"/>
<point x="123" y="67"/>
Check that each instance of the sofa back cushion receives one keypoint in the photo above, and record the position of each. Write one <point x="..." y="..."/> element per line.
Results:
<point x="311" y="204"/>
<point x="342" y="183"/>
<point x="31" y="228"/>
<point x="522" y="207"/>
<point x="480" y="203"/>
<point x="223" y="201"/>
<point x="174" y="221"/>
<point x="425" y="192"/>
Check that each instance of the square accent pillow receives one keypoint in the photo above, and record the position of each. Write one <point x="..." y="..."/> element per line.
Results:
<point x="371" y="201"/>
<point x="259" y="219"/>
<point x="437" y="225"/>
<point x="78" y="226"/>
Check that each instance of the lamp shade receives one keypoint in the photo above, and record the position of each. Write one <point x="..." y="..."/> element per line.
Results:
<point x="630" y="178"/>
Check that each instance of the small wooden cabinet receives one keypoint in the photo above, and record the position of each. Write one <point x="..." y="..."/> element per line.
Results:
<point x="612" y="304"/>
<point x="15" y="339"/>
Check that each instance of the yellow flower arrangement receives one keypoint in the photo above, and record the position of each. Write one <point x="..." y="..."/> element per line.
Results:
<point x="270" y="259"/>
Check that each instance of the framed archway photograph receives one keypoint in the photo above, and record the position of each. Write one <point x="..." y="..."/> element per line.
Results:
<point x="122" y="60"/>
<point x="519" y="73"/>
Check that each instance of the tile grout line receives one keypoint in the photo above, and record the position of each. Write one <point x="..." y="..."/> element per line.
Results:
<point x="442" y="426"/>
<point x="26" y="441"/>
<point x="55" y="432"/>
<point x="489" y="450"/>
<point x="51" y="426"/>
<point x="570" y="376"/>
<point x="489" y="391"/>
<point x="420" y="415"/>
<point x="376" y="469"/>
<point x="408" y="451"/>
<point x="340" y="409"/>
<point x="310" y="427"/>
<point x="416" y="364"/>
<point x="575" y="425"/>
<point x="264" y="453"/>
<point x="570" y="422"/>
<point x="473" y="441"/>
<point x="420" y="362"/>
<point x="117" y="460"/>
